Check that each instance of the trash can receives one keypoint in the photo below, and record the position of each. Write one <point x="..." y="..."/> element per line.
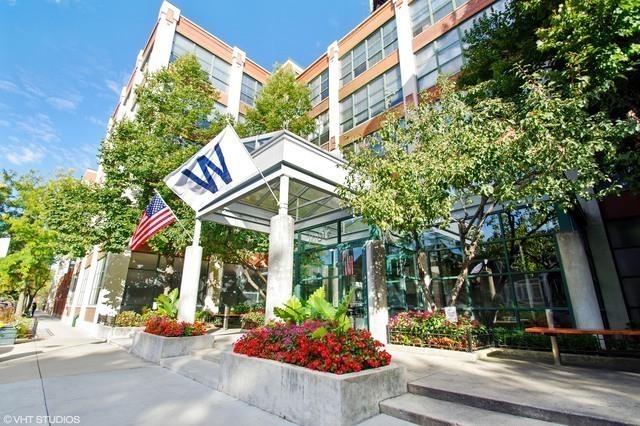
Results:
<point x="73" y="323"/>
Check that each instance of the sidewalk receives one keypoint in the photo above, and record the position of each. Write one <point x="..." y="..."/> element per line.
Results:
<point x="86" y="381"/>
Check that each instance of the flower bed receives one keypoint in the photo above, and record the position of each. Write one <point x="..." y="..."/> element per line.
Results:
<point x="161" y="325"/>
<point x="315" y="344"/>
<point x="432" y="329"/>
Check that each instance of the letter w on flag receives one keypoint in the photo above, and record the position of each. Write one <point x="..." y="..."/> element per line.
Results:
<point x="156" y="217"/>
<point x="220" y="165"/>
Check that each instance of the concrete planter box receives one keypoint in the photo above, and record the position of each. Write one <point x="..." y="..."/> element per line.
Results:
<point x="8" y="335"/>
<point x="153" y="348"/>
<point x="107" y="332"/>
<point x="308" y="397"/>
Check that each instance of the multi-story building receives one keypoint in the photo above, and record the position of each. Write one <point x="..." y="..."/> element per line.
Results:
<point x="379" y="66"/>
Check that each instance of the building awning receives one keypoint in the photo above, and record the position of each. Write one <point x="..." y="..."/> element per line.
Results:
<point x="314" y="175"/>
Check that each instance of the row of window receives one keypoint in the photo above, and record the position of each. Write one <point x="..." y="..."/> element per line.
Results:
<point x="425" y="13"/>
<point x="218" y="69"/>
<point x="380" y="94"/>
<point x="445" y="54"/>
<point x="380" y="44"/>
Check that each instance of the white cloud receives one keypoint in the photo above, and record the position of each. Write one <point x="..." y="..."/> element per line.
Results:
<point x="114" y="87"/>
<point x="39" y="128"/>
<point x="24" y="155"/>
<point x="4" y="123"/>
<point x="62" y="104"/>
<point x="9" y="86"/>
<point x="12" y="2"/>
<point x="97" y="121"/>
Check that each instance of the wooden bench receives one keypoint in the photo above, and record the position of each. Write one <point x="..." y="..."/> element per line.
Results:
<point x="554" y="332"/>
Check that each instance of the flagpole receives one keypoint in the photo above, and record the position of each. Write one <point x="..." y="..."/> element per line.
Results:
<point x="174" y="213"/>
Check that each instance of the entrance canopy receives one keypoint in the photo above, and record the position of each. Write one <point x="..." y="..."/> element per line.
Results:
<point x="313" y="173"/>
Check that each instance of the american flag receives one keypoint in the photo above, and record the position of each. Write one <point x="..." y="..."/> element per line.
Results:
<point x="156" y="217"/>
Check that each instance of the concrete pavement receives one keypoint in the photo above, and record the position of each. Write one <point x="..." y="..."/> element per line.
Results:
<point x="75" y="379"/>
<point x="65" y="373"/>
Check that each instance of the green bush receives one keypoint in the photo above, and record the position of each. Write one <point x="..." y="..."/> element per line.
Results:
<point x="240" y="308"/>
<point x="168" y="303"/>
<point x="129" y="319"/>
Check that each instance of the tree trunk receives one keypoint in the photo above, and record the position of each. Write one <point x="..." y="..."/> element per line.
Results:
<point x="425" y="283"/>
<point x="253" y="284"/>
<point x="20" y="304"/>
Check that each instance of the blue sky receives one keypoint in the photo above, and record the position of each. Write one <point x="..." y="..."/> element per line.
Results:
<point x="64" y="62"/>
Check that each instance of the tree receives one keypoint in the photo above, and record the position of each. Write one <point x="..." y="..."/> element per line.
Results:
<point x="476" y="152"/>
<point x="170" y="125"/>
<point x="590" y="46"/>
<point x="25" y="270"/>
<point x="284" y="103"/>
<point x="173" y="121"/>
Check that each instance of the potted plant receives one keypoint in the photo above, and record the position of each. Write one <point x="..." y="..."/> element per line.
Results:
<point x="253" y="319"/>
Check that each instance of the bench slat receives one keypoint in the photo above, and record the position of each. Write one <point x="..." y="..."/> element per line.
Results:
<point x="577" y="331"/>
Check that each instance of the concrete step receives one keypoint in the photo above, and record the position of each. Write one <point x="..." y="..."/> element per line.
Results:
<point x="201" y="371"/>
<point x="209" y="354"/>
<point x="423" y="410"/>
<point x="384" y="420"/>
<point x="523" y="409"/>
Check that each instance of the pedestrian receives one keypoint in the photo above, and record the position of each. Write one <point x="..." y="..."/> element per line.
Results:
<point x="34" y="305"/>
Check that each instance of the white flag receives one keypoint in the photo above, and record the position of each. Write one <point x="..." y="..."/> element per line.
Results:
<point x="220" y="165"/>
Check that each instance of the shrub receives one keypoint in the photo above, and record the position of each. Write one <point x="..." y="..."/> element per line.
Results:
<point x="168" y="303"/>
<point x="240" y="308"/>
<point x="24" y="325"/>
<point x="432" y="329"/>
<point x="253" y="316"/>
<point x="162" y="325"/>
<point x="7" y="316"/>
<point x="315" y="344"/>
<point x="128" y="319"/>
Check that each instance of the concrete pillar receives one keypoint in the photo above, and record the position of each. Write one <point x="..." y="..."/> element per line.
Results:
<point x="189" y="284"/>
<point x="377" y="309"/>
<point x="334" y="87"/>
<point x="584" y="301"/>
<point x="614" y="305"/>
<point x="280" y="278"/>
<point x="405" y="52"/>
<point x="235" y="82"/>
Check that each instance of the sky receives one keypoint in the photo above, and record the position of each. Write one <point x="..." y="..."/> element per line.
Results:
<point x="63" y="63"/>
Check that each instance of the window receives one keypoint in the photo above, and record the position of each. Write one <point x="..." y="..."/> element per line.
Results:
<point x="445" y="54"/>
<point x="380" y="44"/>
<point x="98" y="281"/>
<point x="425" y="13"/>
<point x="83" y="285"/>
<point x="319" y="88"/>
<point x="218" y="69"/>
<point x="321" y="135"/>
<point x="250" y="88"/>
<point x="380" y="94"/>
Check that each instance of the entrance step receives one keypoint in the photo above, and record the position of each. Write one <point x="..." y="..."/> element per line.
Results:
<point x="423" y="410"/>
<point x="201" y="371"/>
<point x="210" y="354"/>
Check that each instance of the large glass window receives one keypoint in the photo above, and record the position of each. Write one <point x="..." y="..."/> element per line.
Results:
<point x="218" y="69"/>
<point x="380" y="44"/>
<point x="250" y="88"/>
<point x="319" y="88"/>
<point x="445" y="54"/>
<point x="320" y="136"/>
<point x="425" y="13"/>
<point x="149" y="275"/>
<point x="98" y="281"/>
<point x="514" y="277"/>
<point x="380" y="94"/>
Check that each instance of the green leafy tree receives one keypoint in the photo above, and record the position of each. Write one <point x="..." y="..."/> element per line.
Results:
<point x="173" y="121"/>
<point x="25" y="270"/>
<point x="586" y="46"/>
<point x="284" y="103"/>
<point x="474" y="152"/>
